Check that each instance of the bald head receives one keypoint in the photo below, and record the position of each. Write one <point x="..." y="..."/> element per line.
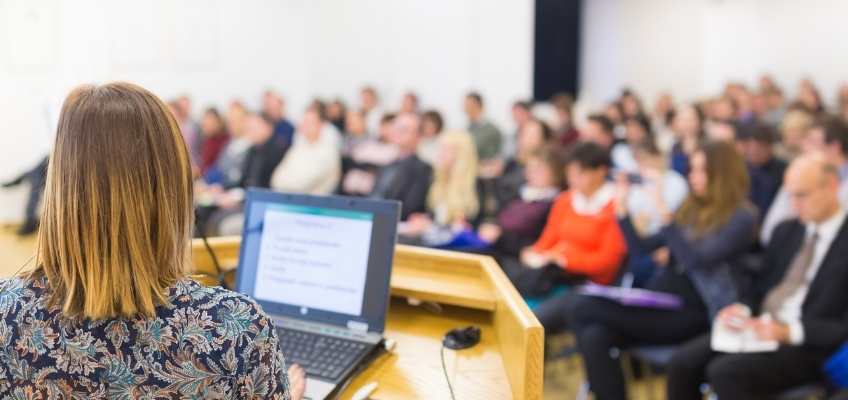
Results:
<point x="813" y="186"/>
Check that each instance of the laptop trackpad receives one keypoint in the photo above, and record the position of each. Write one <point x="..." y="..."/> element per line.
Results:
<point x="317" y="389"/>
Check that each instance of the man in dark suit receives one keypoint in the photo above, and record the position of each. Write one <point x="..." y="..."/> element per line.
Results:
<point x="803" y="291"/>
<point x="408" y="178"/>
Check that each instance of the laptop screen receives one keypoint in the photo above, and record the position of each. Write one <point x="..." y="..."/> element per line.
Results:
<point x="326" y="259"/>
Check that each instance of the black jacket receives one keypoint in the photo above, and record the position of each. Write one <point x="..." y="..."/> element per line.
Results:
<point x="824" y="313"/>
<point x="260" y="162"/>
<point x="406" y="180"/>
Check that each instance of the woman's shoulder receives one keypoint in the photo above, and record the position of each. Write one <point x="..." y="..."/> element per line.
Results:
<point x="189" y="293"/>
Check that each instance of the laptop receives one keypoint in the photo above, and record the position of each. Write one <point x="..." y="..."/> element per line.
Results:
<point x="320" y="267"/>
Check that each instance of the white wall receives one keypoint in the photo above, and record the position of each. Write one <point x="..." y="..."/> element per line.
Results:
<point x="693" y="47"/>
<point x="217" y="50"/>
<point x="438" y="48"/>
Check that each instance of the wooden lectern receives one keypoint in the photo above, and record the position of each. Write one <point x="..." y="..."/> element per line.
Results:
<point x="456" y="290"/>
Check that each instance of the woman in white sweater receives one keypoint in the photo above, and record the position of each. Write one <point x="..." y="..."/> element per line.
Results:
<point x="313" y="163"/>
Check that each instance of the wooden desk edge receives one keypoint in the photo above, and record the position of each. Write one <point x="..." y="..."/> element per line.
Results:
<point x="522" y="349"/>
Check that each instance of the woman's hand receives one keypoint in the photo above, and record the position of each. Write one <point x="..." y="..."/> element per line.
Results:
<point x="489" y="232"/>
<point x="532" y="259"/>
<point x="417" y="224"/>
<point x="297" y="382"/>
<point x="622" y="191"/>
<point x="661" y="256"/>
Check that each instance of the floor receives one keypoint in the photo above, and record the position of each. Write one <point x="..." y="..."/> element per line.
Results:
<point x="563" y="377"/>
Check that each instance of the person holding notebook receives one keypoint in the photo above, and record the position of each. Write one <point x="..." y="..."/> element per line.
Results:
<point x="799" y="301"/>
<point x="711" y="229"/>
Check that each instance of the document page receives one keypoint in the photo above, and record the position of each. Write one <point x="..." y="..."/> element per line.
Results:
<point x="314" y="258"/>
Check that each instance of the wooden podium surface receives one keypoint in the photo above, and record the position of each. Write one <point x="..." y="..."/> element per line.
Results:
<point x="457" y="290"/>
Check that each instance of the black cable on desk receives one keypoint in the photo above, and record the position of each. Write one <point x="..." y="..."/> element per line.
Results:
<point x="445" y="370"/>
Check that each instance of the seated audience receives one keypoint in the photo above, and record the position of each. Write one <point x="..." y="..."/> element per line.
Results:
<point x="408" y="178"/>
<point x="713" y="227"/>
<point x="215" y="139"/>
<point x="615" y="114"/>
<point x="637" y="131"/>
<point x="688" y="126"/>
<point x="36" y="177"/>
<point x="431" y="127"/>
<point x="503" y="187"/>
<point x="828" y="136"/>
<point x="266" y="151"/>
<point x="181" y="109"/>
<point x="355" y="132"/>
<point x="653" y="180"/>
<point x="488" y="139"/>
<point x="631" y="104"/>
<point x="273" y="108"/>
<point x="533" y="137"/>
<point x="452" y="201"/>
<point x="108" y="311"/>
<point x="409" y="103"/>
<point x="800" y="301"/>
<point x="336" y="114"/>
<point x="226" y="173"/>
<point x="809" y="99"/>
<point x="600" y="130"/>
<point x="519" y="224"/>
<point x="775" y="107"/>
<point x="765" y="169"/>
<point x="661" y="118"/>
<point x="521" y="113"/>
<point x="313" y="163"/>
<point x="565" y="132"/>
<point x="370" y="107"/>
<point x="367" y="157"/>
<point x="793" y="132"/>
<point x="581" y="239"/>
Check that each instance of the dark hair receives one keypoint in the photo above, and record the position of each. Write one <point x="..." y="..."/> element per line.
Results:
<point x="217" y="115"/>
<point x="644" y="123"/>
<point x="387" y="118"/>
<point x="605" y="123"/>
<point x="757" y="132"/>
<point x="434" y="117"/>
<point x="648" y="147"/>
<point x="522" y="104"/>
<point x="476" y="97"/>
<point x="547" y="132"/>
<point x="562" y="101"/>
<point x="835" y="130"/>
<point x="589" y="155"/>
<point x="319" y="107"/>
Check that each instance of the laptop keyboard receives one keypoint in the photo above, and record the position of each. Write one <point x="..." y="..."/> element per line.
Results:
<point x="324" y="357"/>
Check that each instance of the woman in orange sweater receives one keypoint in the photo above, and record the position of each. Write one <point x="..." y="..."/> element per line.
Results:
<point x="581" y="240"/>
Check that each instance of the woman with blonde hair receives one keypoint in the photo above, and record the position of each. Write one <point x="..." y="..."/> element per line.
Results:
<point x="452" y="200"/>
<point x="108" y="310"/>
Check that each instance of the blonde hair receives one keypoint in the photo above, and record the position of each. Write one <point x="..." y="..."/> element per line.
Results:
<point x="116" y="225"/>
<point x="455" y="189"/>
<point x="796" y="120"/>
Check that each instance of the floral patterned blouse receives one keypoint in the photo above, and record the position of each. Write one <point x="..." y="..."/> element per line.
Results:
<point x="208" y="343"/>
